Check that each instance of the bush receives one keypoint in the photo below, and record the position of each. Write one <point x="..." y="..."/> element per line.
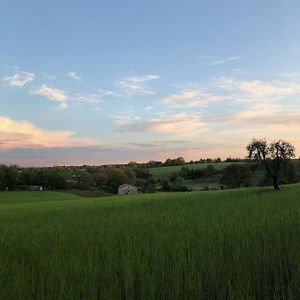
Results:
<point x="237" y="175"/>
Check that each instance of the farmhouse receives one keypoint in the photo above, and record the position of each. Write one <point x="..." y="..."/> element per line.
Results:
<point x="127" y="189"/>
<point x="36" y="188"/>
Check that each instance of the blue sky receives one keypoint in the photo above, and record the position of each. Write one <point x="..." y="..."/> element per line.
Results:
<point x="112" y="81"/>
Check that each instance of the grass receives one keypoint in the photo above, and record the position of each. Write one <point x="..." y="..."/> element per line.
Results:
<point x="166" y="172"/>
<point x="233" y="244"/>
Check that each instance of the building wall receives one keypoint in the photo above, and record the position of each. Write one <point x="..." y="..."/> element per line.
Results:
<point x="127" y="190"/>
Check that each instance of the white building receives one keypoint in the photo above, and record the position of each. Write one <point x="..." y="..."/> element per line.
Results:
<point x="127" y="189"/>
<point x="36" y="188"/>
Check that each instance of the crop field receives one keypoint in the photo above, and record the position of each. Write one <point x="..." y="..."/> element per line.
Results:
<point x="231" y="244"/>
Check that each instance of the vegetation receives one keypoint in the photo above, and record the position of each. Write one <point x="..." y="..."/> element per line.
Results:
<point x="166" y="172"/>
<point x="104" y="180"/>
<point x="171" y="175"/>
<point x="236" y="176"/>
<point x="273" y="156"/>
<point x="234" y="244"/>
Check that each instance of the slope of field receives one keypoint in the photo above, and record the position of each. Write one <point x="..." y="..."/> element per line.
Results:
<point x="166" y="172"/>
<point x="233" y="244"/>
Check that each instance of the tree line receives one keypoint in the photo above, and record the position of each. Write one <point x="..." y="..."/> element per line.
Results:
<point x="104" y="178"/>
<point x="272" y="160"/>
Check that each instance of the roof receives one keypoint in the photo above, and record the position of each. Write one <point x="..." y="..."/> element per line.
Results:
<point x="124" y="185"/>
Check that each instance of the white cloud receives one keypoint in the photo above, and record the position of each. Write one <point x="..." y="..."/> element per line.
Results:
<point x="20" y="79"/>
<point x="24" y="134"/>
<point x="223" y="61"/>
<point x="53" y="94"/>
<point x="256" y="91"/>
<point x="257" y="87"/>
<point x="126" y="118"/>
<point x="180" y="125"/>
<point x="136" y="85"/>
<point x="148" y="108"/>
<point x="96" y="97"/>
<point x="191" y="98"/>
<point x="235" y="91"/>
<point x="74" y="76"/>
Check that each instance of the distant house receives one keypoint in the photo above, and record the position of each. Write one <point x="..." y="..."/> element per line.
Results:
<point x="127" y="189"/>
<point x="35" y="188"/>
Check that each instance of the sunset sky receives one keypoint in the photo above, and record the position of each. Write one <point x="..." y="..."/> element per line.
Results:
<point x="96" y="82"/>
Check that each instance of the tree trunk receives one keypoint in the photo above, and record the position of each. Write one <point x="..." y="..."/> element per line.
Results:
<point x="275" y="183"/>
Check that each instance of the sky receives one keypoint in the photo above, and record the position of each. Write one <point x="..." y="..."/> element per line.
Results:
<point x="101" y="82"/>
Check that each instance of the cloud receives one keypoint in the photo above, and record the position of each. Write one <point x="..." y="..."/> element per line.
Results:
<point x="74" y="76"/>
<point x="257" y="89"/>
<point x="96" y="97"/>
<point x="191" y="98"/>
<point x="20" y="79"/>
<point x="136" y="85"/>
<point x="156" y="144"/>
<point x="223" y="61"/>
<point x="148" y="108"/>
<point x="264" y="114"/>
<point x="125" y="119"/>
<point x="53" y="94"/>
<point x="233" y="91"/>
<point x="24" y="134"/>
<point x="180" y="125"/>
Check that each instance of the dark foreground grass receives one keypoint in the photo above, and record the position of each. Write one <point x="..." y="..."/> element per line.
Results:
<point x="204" y="245"/>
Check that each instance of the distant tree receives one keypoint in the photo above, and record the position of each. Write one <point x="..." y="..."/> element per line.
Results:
<point x="8" y="177"/>
<point x="273" y="156"/>
<point x="100" y="179"/>
<point x="142" y="173"/>
<point x="178" y="185"/>
<point x="165" y="185"/>
<point x="210" y="170"/>
<point x="174" y="162"/>
<point x="289" y="172"/>
<point x="180" y="160"/>
<point x="85" y="181"/>
<point x="237" y="175"/>
<point x="149" y="185"/>
<point x="117" y="177"/>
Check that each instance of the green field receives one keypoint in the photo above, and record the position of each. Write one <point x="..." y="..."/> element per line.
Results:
<point x="233" y="244"/>
<point x="166" y="172"/>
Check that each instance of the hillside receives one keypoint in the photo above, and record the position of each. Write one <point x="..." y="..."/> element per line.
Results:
<point x="152" y="246"/>
<point x="165" y="173"/>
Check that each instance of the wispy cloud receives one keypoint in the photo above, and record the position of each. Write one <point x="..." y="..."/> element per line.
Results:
<point x="223" y="61"/>
<point x="234" y="91"/>
<point x="20" y="79"/>
<point x="156" y="145"/>
<point x="148" y="108"/>
<point x="53" y="94"/>
<point x="136" y="85"/>
<point x="191" y="98"/>
<point x="96" y="97"/>
<point x="257" y="90"/>
<point x="24" y="134"/>
<point x="263" y="114"/>
<point x="74" y="76"/>
<point x="126" y="118"/>
<point x="180" y="125"/>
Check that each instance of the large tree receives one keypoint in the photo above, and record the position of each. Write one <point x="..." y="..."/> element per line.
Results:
<point x="272" y="155"/>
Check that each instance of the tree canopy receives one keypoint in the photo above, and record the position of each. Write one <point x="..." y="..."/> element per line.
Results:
<point x="272" y="155"/>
